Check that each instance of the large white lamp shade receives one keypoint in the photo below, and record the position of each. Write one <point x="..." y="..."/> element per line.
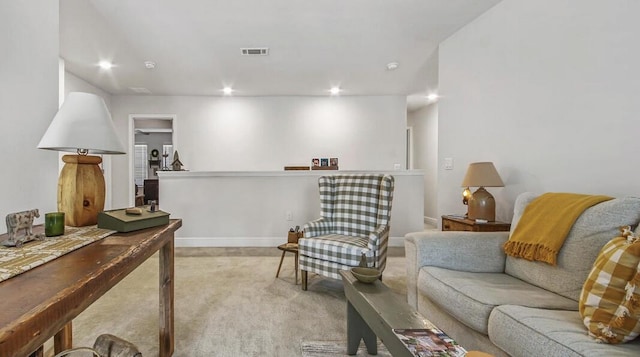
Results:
<point x="83" y="122"/>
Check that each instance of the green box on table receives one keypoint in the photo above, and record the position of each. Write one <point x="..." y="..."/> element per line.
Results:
<point x="120" y="221"/>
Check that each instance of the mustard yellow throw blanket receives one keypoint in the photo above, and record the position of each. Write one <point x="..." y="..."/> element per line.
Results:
<point x="545" y="224"/>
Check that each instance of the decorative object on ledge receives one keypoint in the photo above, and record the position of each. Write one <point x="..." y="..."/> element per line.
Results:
<point x="176" y="164"/>
<point x="482" y="205"/>
<point x="82" y="125"/>
<point x="21" y="221"/>
<point x="324" y="168"/>
<point x="164" y="161"/>
<point x="324" y="164"/>
<point x="294" y="168"/>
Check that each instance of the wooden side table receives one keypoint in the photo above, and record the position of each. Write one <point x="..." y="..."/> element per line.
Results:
<point x="292" y="248"/>
<point x="457" y="223"/>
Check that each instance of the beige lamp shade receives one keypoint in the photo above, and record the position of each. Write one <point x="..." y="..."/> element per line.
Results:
<point x="481" y="204"/>
<point x="83" y="125"/>
<point x="482" y="174"/>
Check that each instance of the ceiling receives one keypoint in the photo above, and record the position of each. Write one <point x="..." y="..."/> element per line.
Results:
<point x="313" y="44"/>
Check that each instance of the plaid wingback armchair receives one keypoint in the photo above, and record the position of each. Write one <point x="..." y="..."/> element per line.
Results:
<point x="355" y="211"/>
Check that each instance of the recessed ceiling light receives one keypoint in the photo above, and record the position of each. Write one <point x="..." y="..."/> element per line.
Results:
<point x="227" y="90"/>
<point x="392" y="65"/>
<point x="105" y="65"/>
<point x="433" y="97"/>
<point x="335" y="90"/>
<point x="150" y="64"/>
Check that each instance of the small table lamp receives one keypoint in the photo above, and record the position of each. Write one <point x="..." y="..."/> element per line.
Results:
<point x="482" y="205"/>
<point x="82" y="125"/>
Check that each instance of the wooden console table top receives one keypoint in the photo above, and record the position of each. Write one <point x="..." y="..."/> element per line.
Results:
<point x="43" y="301"/>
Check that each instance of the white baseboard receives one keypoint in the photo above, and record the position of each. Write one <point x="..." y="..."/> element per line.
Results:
<point x="248" y="241"/>
<point x="431" y="221"/>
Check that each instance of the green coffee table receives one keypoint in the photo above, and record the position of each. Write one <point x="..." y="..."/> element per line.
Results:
<point x="373" y="310"/>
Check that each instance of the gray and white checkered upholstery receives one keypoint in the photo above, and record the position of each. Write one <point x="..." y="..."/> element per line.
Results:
<point x="355" y="211"/>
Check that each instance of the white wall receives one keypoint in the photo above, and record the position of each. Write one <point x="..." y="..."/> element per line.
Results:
<point x="73" y="83"/>
<point x="267" y="133"/>
<point x="29" y="100"/>
<point x="425" y="154"/>
<point x="248" y="209"/>
<point x="547" y="90"/>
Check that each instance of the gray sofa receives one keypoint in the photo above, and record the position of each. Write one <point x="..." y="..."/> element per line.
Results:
<point x="464" y="283"/>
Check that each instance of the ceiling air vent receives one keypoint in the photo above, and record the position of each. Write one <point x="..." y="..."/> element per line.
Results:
<point x="257" y="51"/>
<point x="140" y="90"/>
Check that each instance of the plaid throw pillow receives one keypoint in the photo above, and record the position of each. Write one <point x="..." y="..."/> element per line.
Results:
<point x="610" y="299"/>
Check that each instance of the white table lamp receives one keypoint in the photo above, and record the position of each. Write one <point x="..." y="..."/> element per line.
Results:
<point x="83" y="125"/>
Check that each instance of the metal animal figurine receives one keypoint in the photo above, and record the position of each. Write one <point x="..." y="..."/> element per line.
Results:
<point x="107" y="346"/>
<point x="16" y="222"/>
<point x="111" y="346"/>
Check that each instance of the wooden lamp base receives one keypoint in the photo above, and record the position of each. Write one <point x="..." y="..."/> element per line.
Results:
<point x="81" y="190"/>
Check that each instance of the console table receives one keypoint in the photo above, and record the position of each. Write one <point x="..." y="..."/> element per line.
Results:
<point x="42" y="302"/>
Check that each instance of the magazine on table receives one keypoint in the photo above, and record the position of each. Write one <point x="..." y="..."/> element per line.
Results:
<point x="429" y="343"/>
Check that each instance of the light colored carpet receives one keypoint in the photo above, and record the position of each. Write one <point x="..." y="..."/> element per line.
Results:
<point x="226" y="306"/>
<point x="337" y="348"/>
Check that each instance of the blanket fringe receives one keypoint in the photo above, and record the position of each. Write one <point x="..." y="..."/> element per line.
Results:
<point x="530" y="251"/>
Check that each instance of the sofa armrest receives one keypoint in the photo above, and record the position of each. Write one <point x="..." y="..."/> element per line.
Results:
<point x="378" y="237"/>
<point x="463" y="251"/>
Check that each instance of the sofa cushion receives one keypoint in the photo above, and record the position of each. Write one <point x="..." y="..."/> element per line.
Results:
<point x="470" y="297"/>
<point x="610" y="300"/>
<point x="595" y="227"/>
<point x="524" y="331"/>
<point x="345" y="250"/>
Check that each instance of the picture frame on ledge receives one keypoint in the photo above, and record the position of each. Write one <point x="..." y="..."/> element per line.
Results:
<point x="324" y="163"/>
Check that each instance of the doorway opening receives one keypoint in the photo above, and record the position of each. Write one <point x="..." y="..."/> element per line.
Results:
<point x="152" y="142"/>
<point x="409" y="148"/>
